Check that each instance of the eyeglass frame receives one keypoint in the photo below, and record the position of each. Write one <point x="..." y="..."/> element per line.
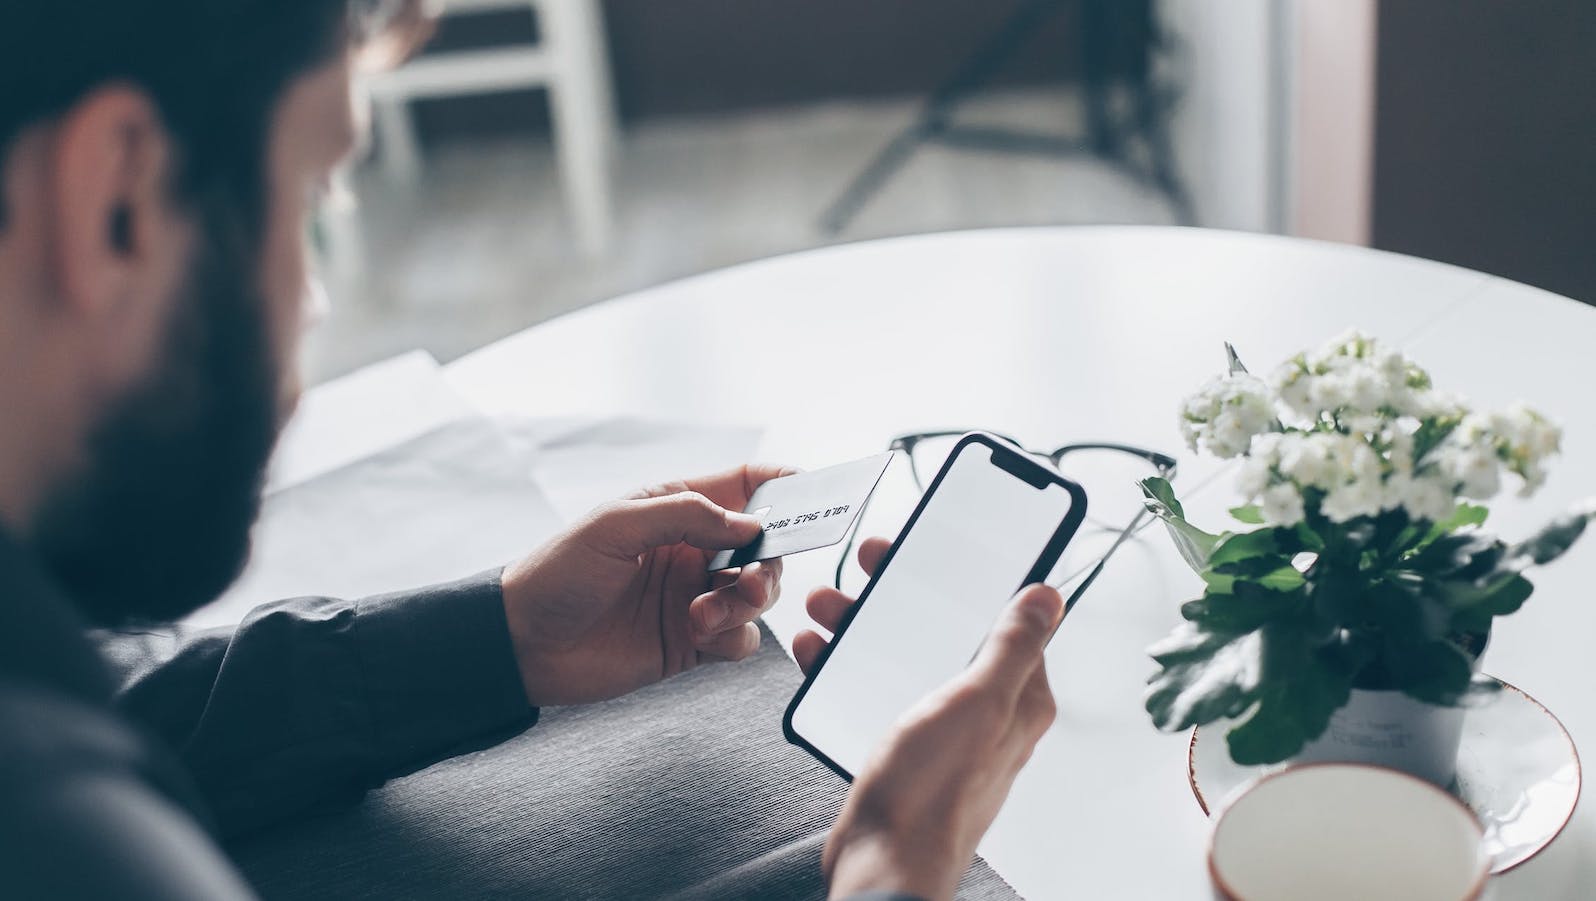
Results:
<point x="1163" y="464"/>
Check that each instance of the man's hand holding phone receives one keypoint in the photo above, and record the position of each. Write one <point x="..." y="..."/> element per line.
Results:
<point x="921" y="804"/>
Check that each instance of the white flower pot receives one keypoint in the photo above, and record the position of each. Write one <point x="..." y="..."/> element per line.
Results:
<point x="1388" y="728"/>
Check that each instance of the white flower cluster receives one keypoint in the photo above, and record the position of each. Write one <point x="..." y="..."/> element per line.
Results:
<point x="1517" y="438"/>
<point x="1348" y="472"/>
<point x="1225" y="414"/>
<point x="1353" y="381"/>
<point x="1341" y="428"/>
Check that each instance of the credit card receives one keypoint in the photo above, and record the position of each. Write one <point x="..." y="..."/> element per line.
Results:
<point x="806" y="511"/>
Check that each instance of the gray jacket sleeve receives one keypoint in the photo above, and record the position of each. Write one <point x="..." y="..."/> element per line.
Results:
<point x="315" y="700"/>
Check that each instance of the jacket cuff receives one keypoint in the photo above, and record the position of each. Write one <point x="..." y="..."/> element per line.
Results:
<point x="439" y="667"/>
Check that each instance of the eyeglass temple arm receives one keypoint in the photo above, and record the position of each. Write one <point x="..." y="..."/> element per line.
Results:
<point x="1080" y="590"/>
<point x="848" y="548"/>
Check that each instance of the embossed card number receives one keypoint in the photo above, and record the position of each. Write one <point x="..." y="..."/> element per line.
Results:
<point x="802" y="518"/>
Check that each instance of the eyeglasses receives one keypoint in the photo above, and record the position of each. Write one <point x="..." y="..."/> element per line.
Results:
<point x="1109" y="473"/>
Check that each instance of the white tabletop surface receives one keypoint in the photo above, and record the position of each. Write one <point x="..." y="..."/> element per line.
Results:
<point x="1060" y="334"/>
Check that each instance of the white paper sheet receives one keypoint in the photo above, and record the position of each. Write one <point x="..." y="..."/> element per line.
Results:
<point x="581" y="463"/>
<point x="363" y="413"/>
<point x="448" y="504"/>
<point x="468" y="495"/>
<point x="386" y="479"/>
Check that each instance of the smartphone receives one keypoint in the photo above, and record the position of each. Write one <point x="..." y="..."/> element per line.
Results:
<point x="993" y="521"/>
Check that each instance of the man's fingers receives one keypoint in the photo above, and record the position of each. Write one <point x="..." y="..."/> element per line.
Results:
<point x="733" y="644"/>
<point x="871" y="552"/>
<point x="755" y="589"/>
<point x="806" y="648"/>
<point x="731" y="488"/>
<point x="827" y="606"/>
<point x="1013" y="649"/>
<point x="631" y="527"/>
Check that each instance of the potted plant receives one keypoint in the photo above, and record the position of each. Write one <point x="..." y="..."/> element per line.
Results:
<point x="1343" y="617"/>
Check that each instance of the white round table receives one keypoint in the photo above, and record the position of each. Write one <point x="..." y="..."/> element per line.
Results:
<point x="1067" y="334"/>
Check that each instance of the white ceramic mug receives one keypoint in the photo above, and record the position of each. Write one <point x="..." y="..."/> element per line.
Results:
<point x="1346" y="832"/>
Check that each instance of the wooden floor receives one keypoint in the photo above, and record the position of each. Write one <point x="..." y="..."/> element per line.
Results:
<point x="479" y="247"/>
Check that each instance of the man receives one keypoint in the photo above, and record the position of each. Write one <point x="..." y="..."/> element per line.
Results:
<point x="159" y="161"/>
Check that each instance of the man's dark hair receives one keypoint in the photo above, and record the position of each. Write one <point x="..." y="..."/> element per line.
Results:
<point x="213" y="68"/>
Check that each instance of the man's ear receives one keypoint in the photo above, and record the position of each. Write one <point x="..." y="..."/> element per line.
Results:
<point x="113" y="229"/>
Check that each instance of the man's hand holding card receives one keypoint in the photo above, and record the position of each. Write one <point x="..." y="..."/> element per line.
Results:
<point x="672" y="577"/>
<point x="805" y="511"/>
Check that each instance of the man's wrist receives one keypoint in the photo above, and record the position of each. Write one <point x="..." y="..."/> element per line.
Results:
<point x="875" y="865"/>
<point x="532" y="661"/>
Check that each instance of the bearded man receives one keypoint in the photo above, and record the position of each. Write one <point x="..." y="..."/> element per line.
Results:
<point x="159" y="160"/>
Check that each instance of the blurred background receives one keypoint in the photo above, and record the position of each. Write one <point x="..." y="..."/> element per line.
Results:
<point x="542" y="155"/>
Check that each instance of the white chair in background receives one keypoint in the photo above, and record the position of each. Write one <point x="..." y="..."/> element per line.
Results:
<point x="569" y="61"/>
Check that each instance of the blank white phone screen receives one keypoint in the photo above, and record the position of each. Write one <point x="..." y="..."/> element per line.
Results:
<point x="923" y="620"/>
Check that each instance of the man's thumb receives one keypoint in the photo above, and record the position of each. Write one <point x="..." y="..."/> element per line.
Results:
<point x="637" y="526"/>
<point x="1014" y="647"/>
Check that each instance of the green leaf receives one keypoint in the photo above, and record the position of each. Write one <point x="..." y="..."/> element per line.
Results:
<point x="1507" y="599"/>
<point x="1301" y="689"/>
<point x="1472" y="620"/>
<point x="1206" y="676"/>
<point x="1434" y="671"/>
<point x="1285" y="578"/>
<point x="1552" y="541"/>
<point x="1334" y="599"/>
<point x="1474" y="608"/>
<point x="1273" y="572"/>
<point x="1249" y="608"/>
<point x="1308" y="539"/>
<point x="1186" y="644"/>
<point x="1459" y="556"/>
<point x="1249" y="515"/>
<point x="1237" y="547"/>
<point x="1466" y="514"/>
<point x="1465" y="594"/>
<point x="1158" y="488"/>
<point x="1405" y="613"/>
<point x="1389" y="528"/>
<point x="1193" y="543"/>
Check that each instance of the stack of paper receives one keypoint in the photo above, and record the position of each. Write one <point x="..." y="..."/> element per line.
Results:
<point x="387" y="480"/>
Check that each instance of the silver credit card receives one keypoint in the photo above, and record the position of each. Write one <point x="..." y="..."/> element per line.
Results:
<point x="806" y="511"/>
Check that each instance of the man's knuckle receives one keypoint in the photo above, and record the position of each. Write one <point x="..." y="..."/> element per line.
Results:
<point x="610" y="519"/>
<point x="1018" y="636"/>
<point x="611" y="510"/>
<point x="751" y="580"/>
<point x="968" y="694"/>
<point x="1048" y="708"/>
<point x="697" y="504"/>
<point x="1040" y="720"/>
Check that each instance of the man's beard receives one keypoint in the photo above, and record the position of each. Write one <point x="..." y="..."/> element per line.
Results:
<point x="157" y="524"/>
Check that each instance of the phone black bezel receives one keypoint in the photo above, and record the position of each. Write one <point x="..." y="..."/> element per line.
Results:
<point x="1012" y="460"/>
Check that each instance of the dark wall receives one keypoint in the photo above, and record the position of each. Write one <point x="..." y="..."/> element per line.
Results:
<point x="709" y="55"/>
<point x="1485" y="137"/>
<point x="704" y="56"/>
